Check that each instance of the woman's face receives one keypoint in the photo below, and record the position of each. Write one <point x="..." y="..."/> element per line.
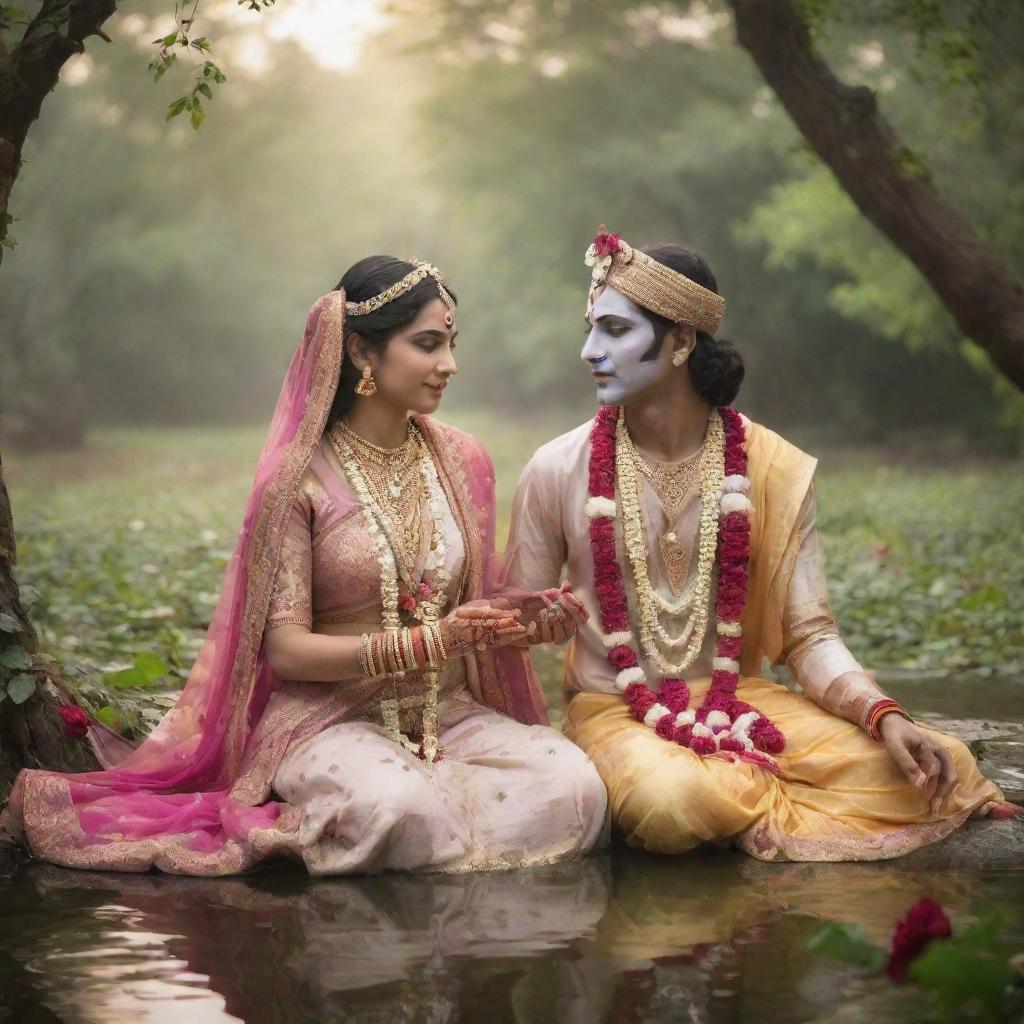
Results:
<point x="417" y="362"/>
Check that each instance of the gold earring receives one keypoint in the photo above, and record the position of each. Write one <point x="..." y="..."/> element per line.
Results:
<point x="366" y="385"/>
<point x="679" y="357"/>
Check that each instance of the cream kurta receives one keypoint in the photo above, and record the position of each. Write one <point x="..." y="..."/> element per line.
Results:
<point x="550" y="530"/>
<point x="504" y="794"/>
<point x="838" y="794"/>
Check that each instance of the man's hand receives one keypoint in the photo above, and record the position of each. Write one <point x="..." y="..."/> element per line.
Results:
<point x="925" y="762"/>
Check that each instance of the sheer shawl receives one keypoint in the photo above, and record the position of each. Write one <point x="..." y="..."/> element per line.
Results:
<point x="192" y="798"/>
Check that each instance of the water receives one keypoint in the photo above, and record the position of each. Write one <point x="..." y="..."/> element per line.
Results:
<point x="714" y="936"/>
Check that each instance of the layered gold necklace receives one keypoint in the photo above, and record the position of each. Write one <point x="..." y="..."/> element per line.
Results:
<point x="690" y="611"/>
<point x="674" y="484"/>
<point x="394" y="480"/>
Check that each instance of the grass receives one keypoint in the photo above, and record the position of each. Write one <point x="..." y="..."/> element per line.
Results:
<point x="122" y="547"/>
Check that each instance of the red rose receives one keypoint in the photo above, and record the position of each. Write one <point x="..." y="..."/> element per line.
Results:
<point x="767" y="736"/>
<point x="728" y="743"/>
<point x="666" y="727"/>
<point x="703" y="745"/>
<point x="606" y="244"/>
<point x="622" y="657"/>
<point x="634" y="692"/>
<point x="407" y="603"/>
<point x="730" y="646"/>
<point x="641" y="705"/>
<point x="76" y="721"/>
<point x="675" y="695"/>
<point x="925" y="920"/>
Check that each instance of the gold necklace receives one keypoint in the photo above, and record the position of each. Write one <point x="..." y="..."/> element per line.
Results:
<point x="393" y="479"/>
<point x="673" y="483"/>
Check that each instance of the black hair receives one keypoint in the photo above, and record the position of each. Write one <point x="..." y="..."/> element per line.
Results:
<point x="715" y="366"/>
<point x="362" y="281"/>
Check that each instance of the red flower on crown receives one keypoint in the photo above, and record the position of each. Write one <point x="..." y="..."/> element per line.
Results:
<point x="605" y="243"/>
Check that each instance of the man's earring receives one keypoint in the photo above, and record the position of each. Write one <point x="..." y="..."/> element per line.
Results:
<point x="366" y="386"/>
<point x="679" y="357"/>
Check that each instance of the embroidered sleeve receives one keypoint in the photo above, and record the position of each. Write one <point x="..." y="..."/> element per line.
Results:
<point x="537" y="547"/>
<point x="291" y="598"/>
<point x="813" y="650"/>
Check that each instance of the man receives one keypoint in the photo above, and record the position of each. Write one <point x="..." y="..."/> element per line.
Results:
<point x="688" y="532"/>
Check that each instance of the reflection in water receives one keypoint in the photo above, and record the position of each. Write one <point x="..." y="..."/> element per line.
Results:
<point x="710" y="937"/>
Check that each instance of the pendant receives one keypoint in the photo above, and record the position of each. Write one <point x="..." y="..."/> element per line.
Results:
<point x="676" y="556"/>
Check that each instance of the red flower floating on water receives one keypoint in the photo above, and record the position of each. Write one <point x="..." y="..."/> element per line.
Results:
<point x="925" y="921"/>
<point x="76" y="721"/>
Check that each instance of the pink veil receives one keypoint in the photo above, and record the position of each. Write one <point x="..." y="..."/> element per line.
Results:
<point x="180" y="801"/>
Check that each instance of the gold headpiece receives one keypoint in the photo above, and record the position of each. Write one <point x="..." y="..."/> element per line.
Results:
<point x="413" y="278"/>
<point x="651" y="284"/>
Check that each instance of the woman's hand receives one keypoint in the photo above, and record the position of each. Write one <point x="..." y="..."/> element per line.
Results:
<point x="555" y="615"/>
<point x="926" y="763"/>
<point x="480" y="624"/>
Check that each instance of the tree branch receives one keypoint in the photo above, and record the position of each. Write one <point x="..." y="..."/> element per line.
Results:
<point x="885" y="180"/>
<point x="31" y="71"/>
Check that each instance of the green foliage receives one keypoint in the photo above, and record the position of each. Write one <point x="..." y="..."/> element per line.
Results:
<point x="845" y="942"/>
<point x="970" y="974"/>
<point x="20" y="687"/>
<point x="15" y="657"/>
<point x="128" y="553"/>
<point x="968" y="977"/>
<point x="147" y="669"/>
<point x="493" y="139"/>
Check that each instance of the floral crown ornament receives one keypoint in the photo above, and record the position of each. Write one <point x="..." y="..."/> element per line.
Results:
<point x="650" y="284"/>
<point x="422" y="270"/>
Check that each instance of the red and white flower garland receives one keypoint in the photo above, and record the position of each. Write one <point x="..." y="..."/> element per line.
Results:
<point x="722" y="724"/>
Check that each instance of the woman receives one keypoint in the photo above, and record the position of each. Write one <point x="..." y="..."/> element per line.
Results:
<point x="690" y="533"/>
<point x="357" y="704"/>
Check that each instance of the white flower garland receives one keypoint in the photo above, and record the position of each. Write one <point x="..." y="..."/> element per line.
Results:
<point x="427" y="610"/>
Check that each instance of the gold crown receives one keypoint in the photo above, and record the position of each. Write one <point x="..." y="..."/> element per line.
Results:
<point x="651" y="284"/>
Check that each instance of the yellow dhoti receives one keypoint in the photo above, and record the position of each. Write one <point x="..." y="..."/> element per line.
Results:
<point x="838" y="795"/>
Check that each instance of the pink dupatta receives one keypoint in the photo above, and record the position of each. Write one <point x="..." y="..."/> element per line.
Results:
<point x="193" y="797"/>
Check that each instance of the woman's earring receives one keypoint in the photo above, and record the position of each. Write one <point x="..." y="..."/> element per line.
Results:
<point x="366" y="386"/>
<point x="679" y="357"/>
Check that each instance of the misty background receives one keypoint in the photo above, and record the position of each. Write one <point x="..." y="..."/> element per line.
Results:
<point x="162" y="275"/>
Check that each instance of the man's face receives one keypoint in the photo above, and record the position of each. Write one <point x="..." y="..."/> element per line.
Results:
<point x="621" y="350"/>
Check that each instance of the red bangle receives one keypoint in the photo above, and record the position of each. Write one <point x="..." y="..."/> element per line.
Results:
<point x="879" y="711"/>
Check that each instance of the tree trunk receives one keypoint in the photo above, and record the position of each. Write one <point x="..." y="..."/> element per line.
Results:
<point x="881" y="175"/>
<point x="30" y="733"/>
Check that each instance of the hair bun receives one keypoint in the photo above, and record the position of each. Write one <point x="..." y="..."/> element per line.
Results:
<point x="716" y="370"/>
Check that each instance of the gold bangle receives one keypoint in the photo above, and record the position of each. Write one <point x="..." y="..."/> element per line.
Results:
<point x="363" y="644"/>
<point x="409" y="656"/>
<point x="373" y="655"/>
<point x="430" y="644"/>
<point x="439" y="637"/>
<point x="395" y="650"/>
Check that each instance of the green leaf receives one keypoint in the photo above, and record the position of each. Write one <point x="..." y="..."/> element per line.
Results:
<point x="958" y="974"/>
<point x="152" y="664"/>
<point x="176" y="107"/>
<point x="109" y="716"/>
<point x="21" y="687"/>
<point x="15" y="657"/>
<point x="845" y="942"/>
<point x="9" y="624"/>
<point x="205" y="90"/>
<point x="146" y="669"/>
<point x="198" y="115"/>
